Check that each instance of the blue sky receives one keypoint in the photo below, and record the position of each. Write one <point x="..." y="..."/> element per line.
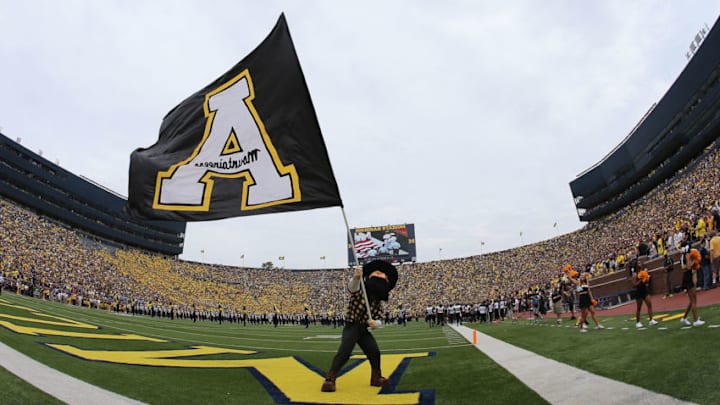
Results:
<point x="468" y="118"/>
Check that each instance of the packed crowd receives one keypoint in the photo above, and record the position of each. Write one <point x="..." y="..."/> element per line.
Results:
<point x="42" y="258"/>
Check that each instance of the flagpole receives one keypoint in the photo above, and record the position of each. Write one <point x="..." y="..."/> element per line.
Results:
<point x="352" y="244"/>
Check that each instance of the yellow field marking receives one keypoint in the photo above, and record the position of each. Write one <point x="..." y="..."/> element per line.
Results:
<point x="63" y="321"/>
<point x="295" y="380"/>
<point x="28" y="330"/>
<point x="159" y="358"/>
<point x="654" y="317"/>
<point x="289" y="375"/>
<point x="662" y="317"/>
<point x="8" y="304"/>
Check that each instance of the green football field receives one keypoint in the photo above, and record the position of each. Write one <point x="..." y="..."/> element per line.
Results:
<point x="162" y="361"/>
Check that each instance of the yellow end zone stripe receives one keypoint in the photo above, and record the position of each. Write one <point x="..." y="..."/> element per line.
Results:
<point x="674" y="317"/>
<point x="25" y="330"/>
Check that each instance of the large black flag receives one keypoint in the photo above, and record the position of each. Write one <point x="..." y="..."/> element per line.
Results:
<point x="249" y="143"/>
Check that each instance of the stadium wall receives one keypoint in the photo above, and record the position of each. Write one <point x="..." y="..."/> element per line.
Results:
<point x="31" y="180"/>
<point x="616" y="288"/>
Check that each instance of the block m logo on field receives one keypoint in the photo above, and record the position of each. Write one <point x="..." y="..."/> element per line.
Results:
<point x="289" y="380"/>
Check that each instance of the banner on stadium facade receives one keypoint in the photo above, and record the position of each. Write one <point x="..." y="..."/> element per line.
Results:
<point x="249" y="143"/>
<point x="393" y="243"/>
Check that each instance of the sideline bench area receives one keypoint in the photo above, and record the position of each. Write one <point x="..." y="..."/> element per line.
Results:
<point x="616" y="288"/>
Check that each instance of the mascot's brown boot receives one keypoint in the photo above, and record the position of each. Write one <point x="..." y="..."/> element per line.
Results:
<point x="377" y="380"/>
<point x="329" y="383"/>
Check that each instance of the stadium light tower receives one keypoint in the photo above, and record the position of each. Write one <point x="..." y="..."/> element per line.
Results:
<point x="482" y="243"/>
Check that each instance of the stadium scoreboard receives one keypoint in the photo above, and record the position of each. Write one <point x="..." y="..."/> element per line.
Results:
<point x="393" y="243"/>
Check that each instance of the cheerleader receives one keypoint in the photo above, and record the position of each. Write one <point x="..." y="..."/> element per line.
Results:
<point x="641" y="282"/>
<point x="690" y="263"/>
<point x="586" y="301"/>
<point x="557" y="304"/>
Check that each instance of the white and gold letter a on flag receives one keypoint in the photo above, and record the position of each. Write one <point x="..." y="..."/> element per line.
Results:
<point x="234" y="145"/>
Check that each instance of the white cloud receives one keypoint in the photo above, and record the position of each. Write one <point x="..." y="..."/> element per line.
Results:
<point x="468" y="119"/>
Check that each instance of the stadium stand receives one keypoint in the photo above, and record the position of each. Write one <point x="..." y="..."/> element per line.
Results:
<point x="47" y="188"/>
<point x="676" y="129"/>
<point x="67" y="239"/>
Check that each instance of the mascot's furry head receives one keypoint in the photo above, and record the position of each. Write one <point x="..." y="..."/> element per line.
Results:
<point x="378" y="287"/>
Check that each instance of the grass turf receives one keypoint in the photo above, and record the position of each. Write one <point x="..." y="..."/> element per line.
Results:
<point x="455" y="373"/>
<point x="17" y="392"/>
<point x="683" y="362"/>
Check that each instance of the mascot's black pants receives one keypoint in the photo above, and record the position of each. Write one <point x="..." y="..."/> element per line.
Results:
<point x="356" y="333"/>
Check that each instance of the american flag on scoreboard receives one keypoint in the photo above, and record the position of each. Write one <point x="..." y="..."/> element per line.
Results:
<point x="363" y="246"/>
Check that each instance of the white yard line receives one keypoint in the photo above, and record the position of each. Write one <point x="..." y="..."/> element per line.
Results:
<point x="59" y="385"/>
<point x="559" y="383"/>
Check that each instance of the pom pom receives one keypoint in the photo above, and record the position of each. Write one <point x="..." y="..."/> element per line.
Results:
<point x="567" y="268"/>
<point x="644" y="276"/>
<point x="695" y="256"/>
<point x="573" y="273"/>
<point x="594" y="302"/>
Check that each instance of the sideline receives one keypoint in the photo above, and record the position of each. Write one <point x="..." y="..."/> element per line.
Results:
<point x="543" y="375"/>
<point x="59" y="385"/>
